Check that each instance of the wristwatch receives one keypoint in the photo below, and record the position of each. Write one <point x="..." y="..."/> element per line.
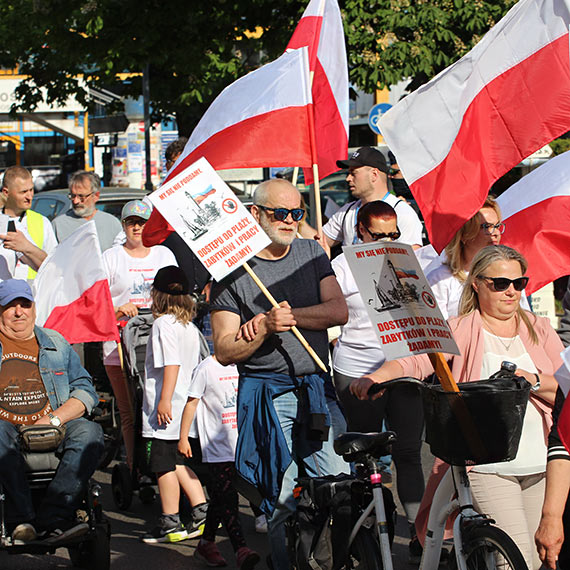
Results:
<point x="536" y="387"/>
<point x="54" y="420"/>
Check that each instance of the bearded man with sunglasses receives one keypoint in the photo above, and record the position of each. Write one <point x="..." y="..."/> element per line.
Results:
<point x="493" y="327"/>
<point x="287" y="410"/>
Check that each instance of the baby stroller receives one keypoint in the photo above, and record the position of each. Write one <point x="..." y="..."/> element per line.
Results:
<point x="124" y="482"/>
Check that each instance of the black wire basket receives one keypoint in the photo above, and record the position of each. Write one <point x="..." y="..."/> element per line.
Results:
<point x="480" y="424"/>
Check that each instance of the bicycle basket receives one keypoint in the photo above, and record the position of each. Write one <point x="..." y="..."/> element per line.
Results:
<point x="481" y="425"/>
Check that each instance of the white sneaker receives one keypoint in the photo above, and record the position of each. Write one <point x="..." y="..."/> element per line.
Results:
<point x="261" y="524"/>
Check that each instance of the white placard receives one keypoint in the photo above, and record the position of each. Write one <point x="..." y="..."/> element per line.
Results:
<point x="217" y="227"/>
<point x="399" y="301"/>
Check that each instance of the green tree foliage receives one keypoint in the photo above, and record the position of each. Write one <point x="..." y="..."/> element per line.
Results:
<point x="194" y="48"/>
<point x="390" y="40"/>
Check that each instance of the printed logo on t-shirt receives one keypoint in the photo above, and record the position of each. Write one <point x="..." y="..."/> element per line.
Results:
<point x="230" y="402"/>
<point x="141" y="280"/>
<point x="23" y="397"/>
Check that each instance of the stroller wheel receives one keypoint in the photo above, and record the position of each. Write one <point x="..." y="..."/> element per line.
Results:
<point x="147" y="495"/>
<point x="122" y="486"/>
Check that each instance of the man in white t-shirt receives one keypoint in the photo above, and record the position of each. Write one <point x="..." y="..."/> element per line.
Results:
<point x="368" y="181"/>
<point x="30" y="236"/>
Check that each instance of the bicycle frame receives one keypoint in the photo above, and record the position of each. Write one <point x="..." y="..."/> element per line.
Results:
<point x="455" y="481"/>
<point x="377" y="503"/>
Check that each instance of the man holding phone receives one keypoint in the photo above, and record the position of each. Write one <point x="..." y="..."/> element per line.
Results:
<point x="28" y="237"/>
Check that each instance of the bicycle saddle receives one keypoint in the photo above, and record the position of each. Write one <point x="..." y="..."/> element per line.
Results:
<point x="351" y="445"/>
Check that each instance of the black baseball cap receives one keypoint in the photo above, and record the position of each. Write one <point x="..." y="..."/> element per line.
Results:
<point x="365" y="156"/>
<point x="171" y="280"/>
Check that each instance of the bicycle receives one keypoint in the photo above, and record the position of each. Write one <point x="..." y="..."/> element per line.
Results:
<point x="477" y="543"/>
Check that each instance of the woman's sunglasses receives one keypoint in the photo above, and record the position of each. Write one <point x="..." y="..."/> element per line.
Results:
<point x="503" y="283"/>
<point x="377" y="236"/>
<point x="280" y="214"/>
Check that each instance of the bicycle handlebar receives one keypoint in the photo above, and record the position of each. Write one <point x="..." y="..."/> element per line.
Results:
<point x="377" y="387"/>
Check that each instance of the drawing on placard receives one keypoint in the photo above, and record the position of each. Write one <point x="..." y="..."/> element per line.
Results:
<point x="393" y="289"/>
<point x="204" y="213"/>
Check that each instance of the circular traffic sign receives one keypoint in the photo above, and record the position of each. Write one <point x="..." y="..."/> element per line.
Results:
<point x="374" y="116"/>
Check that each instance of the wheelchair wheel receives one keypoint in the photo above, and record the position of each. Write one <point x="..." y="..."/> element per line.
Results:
<point x="95" y="552"/>
<point x="122" y="486"/>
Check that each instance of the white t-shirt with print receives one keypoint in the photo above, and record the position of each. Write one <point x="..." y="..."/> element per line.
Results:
<point x="170" y="343"/>
<point x="130" y="281"/>
<point x="216" y="415"/>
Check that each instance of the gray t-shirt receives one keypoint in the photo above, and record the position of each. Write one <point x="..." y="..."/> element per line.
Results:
<point x="296" y="279"/>
<point x="107" y="226"/>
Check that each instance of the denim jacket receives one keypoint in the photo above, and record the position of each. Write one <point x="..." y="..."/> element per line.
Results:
<point x="61" y="372"/>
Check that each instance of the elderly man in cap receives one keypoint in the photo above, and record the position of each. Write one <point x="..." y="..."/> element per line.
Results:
<point x="42" y="382"/>
<point x="368" y="181"/>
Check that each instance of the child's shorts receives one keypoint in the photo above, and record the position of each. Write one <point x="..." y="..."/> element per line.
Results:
<point x="162" y="455"/>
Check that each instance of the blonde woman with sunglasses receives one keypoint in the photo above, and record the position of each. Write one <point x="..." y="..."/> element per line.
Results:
<point x="493" y="327"/>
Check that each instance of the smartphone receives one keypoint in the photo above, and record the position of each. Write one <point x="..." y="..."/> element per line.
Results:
<point x="11" y="226"/>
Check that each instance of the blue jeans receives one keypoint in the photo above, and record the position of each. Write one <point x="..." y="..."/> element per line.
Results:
<point x="79" y="455"/>
<point x="318" y="458"/>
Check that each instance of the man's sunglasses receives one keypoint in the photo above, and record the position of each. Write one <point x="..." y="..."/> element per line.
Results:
<point x="503" y="283"/>
<point x="377" y="236"/>
<point x="280" y="214"/>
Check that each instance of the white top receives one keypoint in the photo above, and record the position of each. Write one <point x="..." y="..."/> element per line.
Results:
<point x="216" y="415"/>
<point x="531" y="456"/>
<point x="343" y="229"/>
<point x="170" y="342"/>
<point x="130" y="280"/>
<point x="11" y="264"/>
<point x="358" y="350"/>
<point x="448" y="289"/>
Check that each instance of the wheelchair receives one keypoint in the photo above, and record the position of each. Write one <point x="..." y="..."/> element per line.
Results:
<point x="90" y="550"/>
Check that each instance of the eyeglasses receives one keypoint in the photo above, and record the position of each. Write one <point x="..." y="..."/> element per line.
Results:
<point x="80" y="197"/>
<point x="377" y="236"/>
<point x="134" y="221"/>
<point x="492" y="228"/>
<point x="503" y="283"/>
<point x="281" y="214"/>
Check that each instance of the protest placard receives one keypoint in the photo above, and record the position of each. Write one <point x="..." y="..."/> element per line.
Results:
<point x="203" y="210"/>
<point x="400" y="304"/>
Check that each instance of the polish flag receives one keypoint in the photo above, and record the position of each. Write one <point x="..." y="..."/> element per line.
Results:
<point x="508" y="97"/>
<point x="320" y="29"/>
<point x="71" y="290"/>
<point x="536" y="212"/>
<point x="262" y="119"/>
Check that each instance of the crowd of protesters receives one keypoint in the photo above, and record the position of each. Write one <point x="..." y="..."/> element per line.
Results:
<point x="260" y="406"/>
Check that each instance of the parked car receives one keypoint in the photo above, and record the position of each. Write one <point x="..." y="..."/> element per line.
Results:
<point x="52" y="203"/>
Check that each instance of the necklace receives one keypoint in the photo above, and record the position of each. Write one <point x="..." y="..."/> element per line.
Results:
<point x="507" y="345"/>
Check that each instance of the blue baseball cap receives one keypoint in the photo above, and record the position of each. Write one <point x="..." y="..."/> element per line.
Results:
<point x="136" y="208"/>
<point x="14" y="289"/>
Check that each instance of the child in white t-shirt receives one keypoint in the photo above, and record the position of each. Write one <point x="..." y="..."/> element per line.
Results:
<point x="173" y="351"/>
<point x="212" y="397"/>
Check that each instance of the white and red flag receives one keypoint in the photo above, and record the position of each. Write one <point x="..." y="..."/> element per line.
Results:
<point x="509" y="96"/>
<point x="262" y="119"/>
<point x="71" y="290"/>
<point x="536" y="212"/>
<point x="320" y="29"/>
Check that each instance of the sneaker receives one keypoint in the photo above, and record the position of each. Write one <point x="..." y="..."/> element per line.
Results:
<point x="196" y="526"/>
<point x="166" y="533"/>
<point x="246" y="558"/>
<point x="261" y="524"/>
<point x="24" y="532"/>
<point x="208" y="552"/>
<point x="415" y="550"/>
<point x="59" y="535"/>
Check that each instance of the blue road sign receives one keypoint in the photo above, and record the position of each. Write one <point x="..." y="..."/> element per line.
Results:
<point x="374" y="116"/>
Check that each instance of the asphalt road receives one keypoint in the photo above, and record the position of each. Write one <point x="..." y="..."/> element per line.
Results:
<point x="129" y="553"/>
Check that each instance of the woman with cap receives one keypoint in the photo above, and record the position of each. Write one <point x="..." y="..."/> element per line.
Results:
<point x="130" y="270"/>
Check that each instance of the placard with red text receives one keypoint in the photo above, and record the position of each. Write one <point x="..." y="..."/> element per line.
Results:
<point x="217" y="227"/>
<point x="399" y="301"/>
